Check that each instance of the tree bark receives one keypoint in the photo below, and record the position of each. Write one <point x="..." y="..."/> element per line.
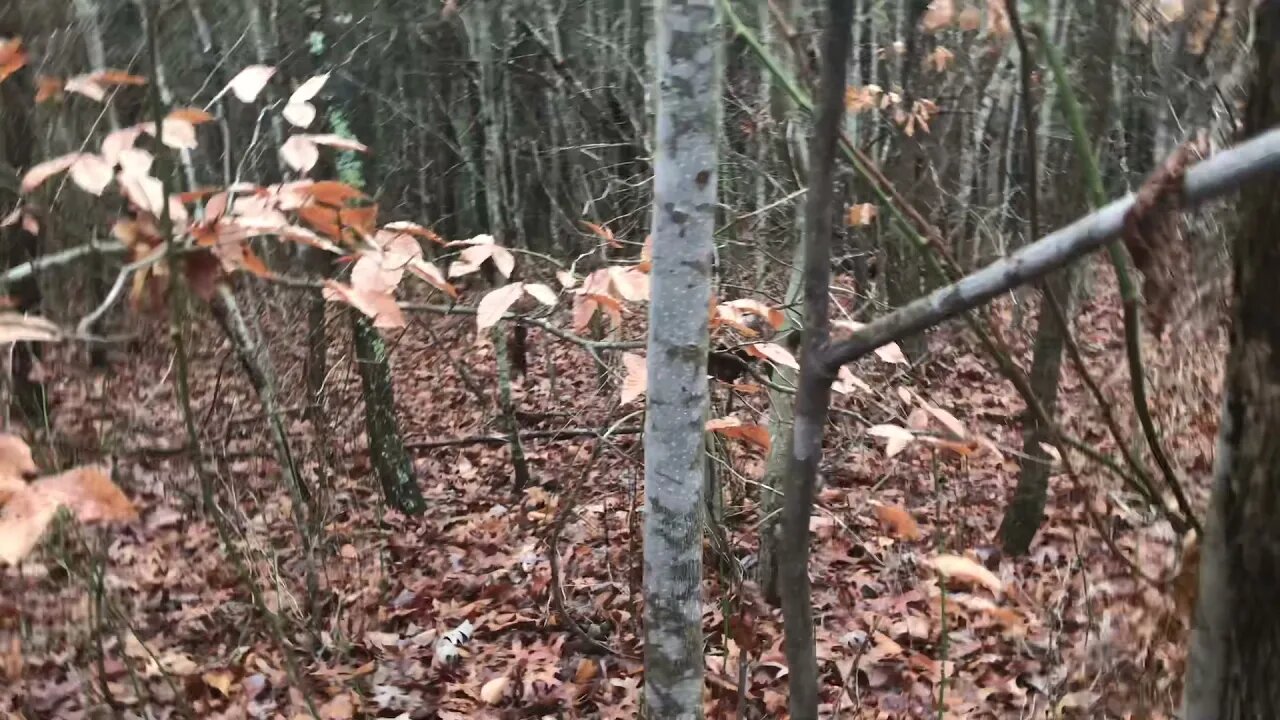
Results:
<point x="1235" y="647"/>
<point x="685" y="193"/>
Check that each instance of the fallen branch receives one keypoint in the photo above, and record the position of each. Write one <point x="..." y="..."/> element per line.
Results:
<point x="503" y="439"/>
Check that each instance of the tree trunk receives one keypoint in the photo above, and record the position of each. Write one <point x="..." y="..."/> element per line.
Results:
<point x="685" y="173"/>
<point x="1235" y="647"/>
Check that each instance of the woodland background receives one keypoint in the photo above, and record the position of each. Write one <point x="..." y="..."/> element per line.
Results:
<point x="352" y="502"/>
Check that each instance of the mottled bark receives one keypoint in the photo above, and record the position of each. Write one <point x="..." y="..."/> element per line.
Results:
<point x="1235" y="648"/>
<point x="685" y="185"/>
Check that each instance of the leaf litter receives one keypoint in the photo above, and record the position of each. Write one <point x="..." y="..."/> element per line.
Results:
<point x="447" y="615"/>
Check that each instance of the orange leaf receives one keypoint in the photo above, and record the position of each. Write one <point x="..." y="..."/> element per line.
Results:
<point x="748" y="306"/>
<point x="190" y="115"/>
<point x="774" y="353"/>
<point x="967" y="570"/>
<point x="860" y="214"/>
<point x="636" y="379"/>
<point x="603" y="233"/>
<point x="47" y="88"/>
<point x="12" y="57"/>
<point x="733" y="427"/>
<point x="89" y="493"/>
<point x="899" y="521"/>
<point x="116" y="77"/>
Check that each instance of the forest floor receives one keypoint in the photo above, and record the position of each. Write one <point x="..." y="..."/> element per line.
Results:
<point x="155" y="620"/>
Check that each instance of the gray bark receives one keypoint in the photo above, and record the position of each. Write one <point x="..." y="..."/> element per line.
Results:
<point x="685" y="183"/>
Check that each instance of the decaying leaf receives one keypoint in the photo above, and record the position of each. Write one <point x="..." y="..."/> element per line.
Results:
<point x="898" y="437"/>
<point x="734" y="427"/>
<point x="636" y="377"/>
<point x="774" y="353"/>
<point x="899" y="521"/>
<point x="959" y="567"/>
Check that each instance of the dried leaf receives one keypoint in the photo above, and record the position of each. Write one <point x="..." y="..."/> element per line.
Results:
<point x="118" y="141"/>
<point x="967" y="570"/>
<point x="939" y="15"/>
<point x="84" y="85"/>
<point x="116" y="77"/>
<point x="495" y="304"/>
<point x="15" y="327"/>
<point x="45" y="170"/>
<point x="308" y="90"/>
<point x="190" y="115"/>
<point x="299" y="114"/>
<point x="249" y="82"/>
<point x="748" y="306"/>
<point x="47" y="88"/>
<point x="22" y="521"/>
<point x="337" y="141"/>
<point x="949" y="421"/>
<point x="89" y="493"/>
<point x="860" y="214"/>
<point x="13" y="57"/>
<point x="734" y="427"/>
<point x="91" y="173"/>
<point x="636" y="379"/>
<point x="603" y="233"/>
<point x="774" y="353"/>
<point x="970" y="19"/>
<point x="898" y="437"/>
<point x="542" y="293"/>
<point x="300" y="153"/>
<point x="430" y="273"/>
<point x="16" y="460"/>
<point x="382" y="307"/>
<point x="494" y="690"/>
<point x="899" y="521"/>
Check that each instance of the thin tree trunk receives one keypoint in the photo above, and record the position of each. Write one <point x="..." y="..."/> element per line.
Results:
<point x="1235" y="645"/>
<point x="814" y="394"/>
<point x="685" y="193"/>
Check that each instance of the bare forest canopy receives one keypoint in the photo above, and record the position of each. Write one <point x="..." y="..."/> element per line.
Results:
<point x="622" y="358"/>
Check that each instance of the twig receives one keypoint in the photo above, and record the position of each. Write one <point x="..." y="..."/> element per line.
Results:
<point x="503" y="439"/>
<point x="567" y="503"/>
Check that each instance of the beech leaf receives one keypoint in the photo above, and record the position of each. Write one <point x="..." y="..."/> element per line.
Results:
<point x="636" y="379"/>
<point x="495" y="304"/>
<point x="249" y="82"/>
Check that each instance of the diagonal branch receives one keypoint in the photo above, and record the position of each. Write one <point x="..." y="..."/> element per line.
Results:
<point x="1207" y="181"/>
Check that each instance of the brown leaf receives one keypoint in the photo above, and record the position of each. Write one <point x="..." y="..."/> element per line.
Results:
<point x="899" y="521"/>
<point x="774" y="353"/>
<point x="493" y="691"/>
<point x="734" y="427"/>
<point x="860" y="214"/>
<point x="89" y="493"/>
<point x="636" y="379"/>
<point x="939" y="15"/>
<point x="47" y="88"/>
<point x="22" y="521"/>
<point x="12" y="57"/>
<point x="967" y="570"/>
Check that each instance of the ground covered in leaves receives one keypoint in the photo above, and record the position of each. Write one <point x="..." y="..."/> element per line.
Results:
<point x="454" y="614"/>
